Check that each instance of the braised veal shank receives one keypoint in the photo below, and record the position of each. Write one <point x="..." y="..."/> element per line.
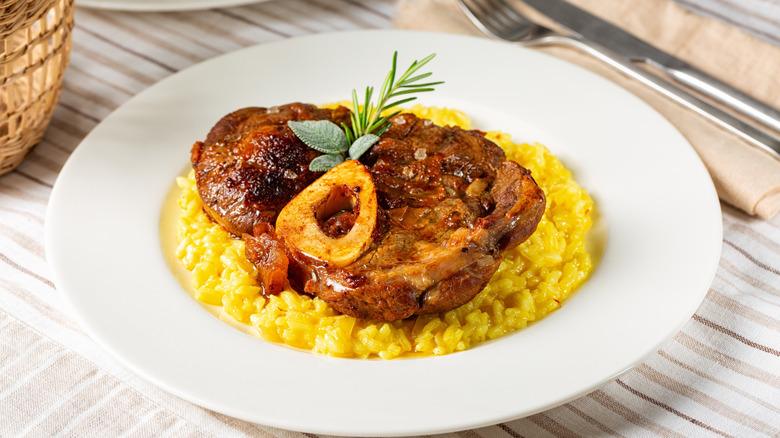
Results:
<point x="449" y="204"/>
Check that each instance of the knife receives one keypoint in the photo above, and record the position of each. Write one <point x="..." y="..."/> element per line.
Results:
<point x="592" y="28"/>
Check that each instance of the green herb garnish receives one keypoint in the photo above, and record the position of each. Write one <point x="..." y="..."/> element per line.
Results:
<point x="368" y="123"/>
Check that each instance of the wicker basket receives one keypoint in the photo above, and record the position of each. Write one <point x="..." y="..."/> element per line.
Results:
<point x="34" y="48"/>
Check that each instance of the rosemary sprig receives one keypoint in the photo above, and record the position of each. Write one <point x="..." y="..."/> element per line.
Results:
<point x="367" y="120"/>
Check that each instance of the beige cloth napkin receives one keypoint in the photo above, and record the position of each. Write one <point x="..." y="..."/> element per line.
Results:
<point x="744" y="176"/>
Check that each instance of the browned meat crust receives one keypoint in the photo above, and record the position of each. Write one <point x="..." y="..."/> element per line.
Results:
<point x="449" y="204"/>
<point x="251" y="164"/>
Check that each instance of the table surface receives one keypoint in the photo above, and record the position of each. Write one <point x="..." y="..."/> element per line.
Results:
<point x="719" y="376"/>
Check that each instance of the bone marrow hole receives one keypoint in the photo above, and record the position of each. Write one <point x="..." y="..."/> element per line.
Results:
<point x="337" y="213"/>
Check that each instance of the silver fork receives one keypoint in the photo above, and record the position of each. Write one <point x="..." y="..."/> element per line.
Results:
<point x="498" y="19"/>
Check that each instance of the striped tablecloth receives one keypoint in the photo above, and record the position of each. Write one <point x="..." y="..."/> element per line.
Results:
<point x="719" y="376"/>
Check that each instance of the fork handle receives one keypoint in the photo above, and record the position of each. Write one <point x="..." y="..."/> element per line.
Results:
<point x="746" y="131"/>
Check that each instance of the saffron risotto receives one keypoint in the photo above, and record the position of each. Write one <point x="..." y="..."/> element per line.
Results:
<point x="532" y="280"/>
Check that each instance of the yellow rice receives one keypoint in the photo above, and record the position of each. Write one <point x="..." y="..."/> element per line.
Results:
<point x="532" y="280"/>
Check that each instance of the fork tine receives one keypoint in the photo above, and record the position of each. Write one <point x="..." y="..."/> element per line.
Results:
<point x="498" y="19"/>
<point x="508" y="11"/>
<point x="500" y="14"/>
<point x="480" y="15"/>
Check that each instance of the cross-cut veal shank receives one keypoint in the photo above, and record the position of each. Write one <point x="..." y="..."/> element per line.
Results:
<point x="449" y="204"/>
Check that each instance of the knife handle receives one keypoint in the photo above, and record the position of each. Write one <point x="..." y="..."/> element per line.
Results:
<point x="723" y="93"/>
<point x="750" y="133"/>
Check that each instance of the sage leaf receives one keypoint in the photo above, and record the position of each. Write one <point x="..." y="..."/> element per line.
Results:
<point x="321" y="135"/>
<point x="324" y="163"/>
<point x="361" y="145"/>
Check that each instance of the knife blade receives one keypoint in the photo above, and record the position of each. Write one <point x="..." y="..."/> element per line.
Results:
<point x="590" y="27"/>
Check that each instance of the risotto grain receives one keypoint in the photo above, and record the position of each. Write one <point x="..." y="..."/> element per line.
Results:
<point x="532" y="280"/>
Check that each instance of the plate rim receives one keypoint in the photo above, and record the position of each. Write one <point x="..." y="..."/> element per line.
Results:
<point x="51" y="247"/>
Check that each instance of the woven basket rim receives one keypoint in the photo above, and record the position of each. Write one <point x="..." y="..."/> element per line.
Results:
<point x="31" y="90"/>
<point x="18" y="14"/>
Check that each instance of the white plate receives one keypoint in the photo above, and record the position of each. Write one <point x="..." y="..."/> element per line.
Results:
<point x="654" y="195"/>
<point x="162" y="5"/>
